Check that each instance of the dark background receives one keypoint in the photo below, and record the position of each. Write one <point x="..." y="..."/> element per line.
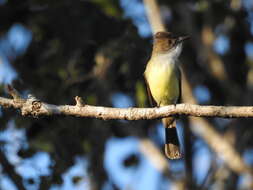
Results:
<point x="98" y="49"/>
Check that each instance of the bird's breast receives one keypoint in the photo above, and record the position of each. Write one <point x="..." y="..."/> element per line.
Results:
<point x="163" y="82"/>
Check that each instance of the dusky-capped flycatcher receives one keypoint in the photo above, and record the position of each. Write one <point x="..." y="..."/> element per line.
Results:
<point x="163" y="79"/>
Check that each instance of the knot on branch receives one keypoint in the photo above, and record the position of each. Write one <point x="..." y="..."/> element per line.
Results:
<point x="32" y="106"/>
<point x="36" y="105"/>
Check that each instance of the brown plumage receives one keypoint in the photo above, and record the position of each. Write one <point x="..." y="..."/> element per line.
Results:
<point x="163" y="79"/>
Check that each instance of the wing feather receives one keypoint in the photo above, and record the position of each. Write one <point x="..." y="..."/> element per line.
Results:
<point x="150" y="97"/>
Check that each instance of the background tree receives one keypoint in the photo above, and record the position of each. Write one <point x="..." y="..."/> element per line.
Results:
<point x="98" y="50"/>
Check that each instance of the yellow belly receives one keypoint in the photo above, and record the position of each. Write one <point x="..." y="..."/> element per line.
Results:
<point x="163" y="84"/>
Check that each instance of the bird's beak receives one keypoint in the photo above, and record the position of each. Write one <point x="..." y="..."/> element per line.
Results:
<point x="182" y="38"/>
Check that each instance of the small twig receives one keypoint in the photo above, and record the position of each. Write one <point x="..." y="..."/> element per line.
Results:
<point x="79" y="101"/>
<point x="13" y="92"/>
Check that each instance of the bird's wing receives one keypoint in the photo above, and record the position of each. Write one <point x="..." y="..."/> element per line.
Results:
<point x="150" y="97"/>
<point x="178" y="74"/>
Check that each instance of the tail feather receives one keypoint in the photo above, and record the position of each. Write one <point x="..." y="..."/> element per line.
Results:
<point x="172" y="148"/>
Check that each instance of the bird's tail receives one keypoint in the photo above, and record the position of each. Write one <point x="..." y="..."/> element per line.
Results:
<point x="172" y="148"/>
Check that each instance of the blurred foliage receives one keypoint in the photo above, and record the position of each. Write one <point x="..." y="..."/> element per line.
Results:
<point x="89" y="49"/>
<point x="110" y="7"/>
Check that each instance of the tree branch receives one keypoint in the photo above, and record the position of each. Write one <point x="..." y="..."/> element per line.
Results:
<point x="10" y="170"/>
<point x="34" y="107"/>
<point x="154" y="16"/>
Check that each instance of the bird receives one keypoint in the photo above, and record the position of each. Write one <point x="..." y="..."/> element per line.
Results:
<point x="163" y="80"/>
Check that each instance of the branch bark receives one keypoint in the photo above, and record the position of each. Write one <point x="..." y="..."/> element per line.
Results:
<point x="34" y="107"/>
